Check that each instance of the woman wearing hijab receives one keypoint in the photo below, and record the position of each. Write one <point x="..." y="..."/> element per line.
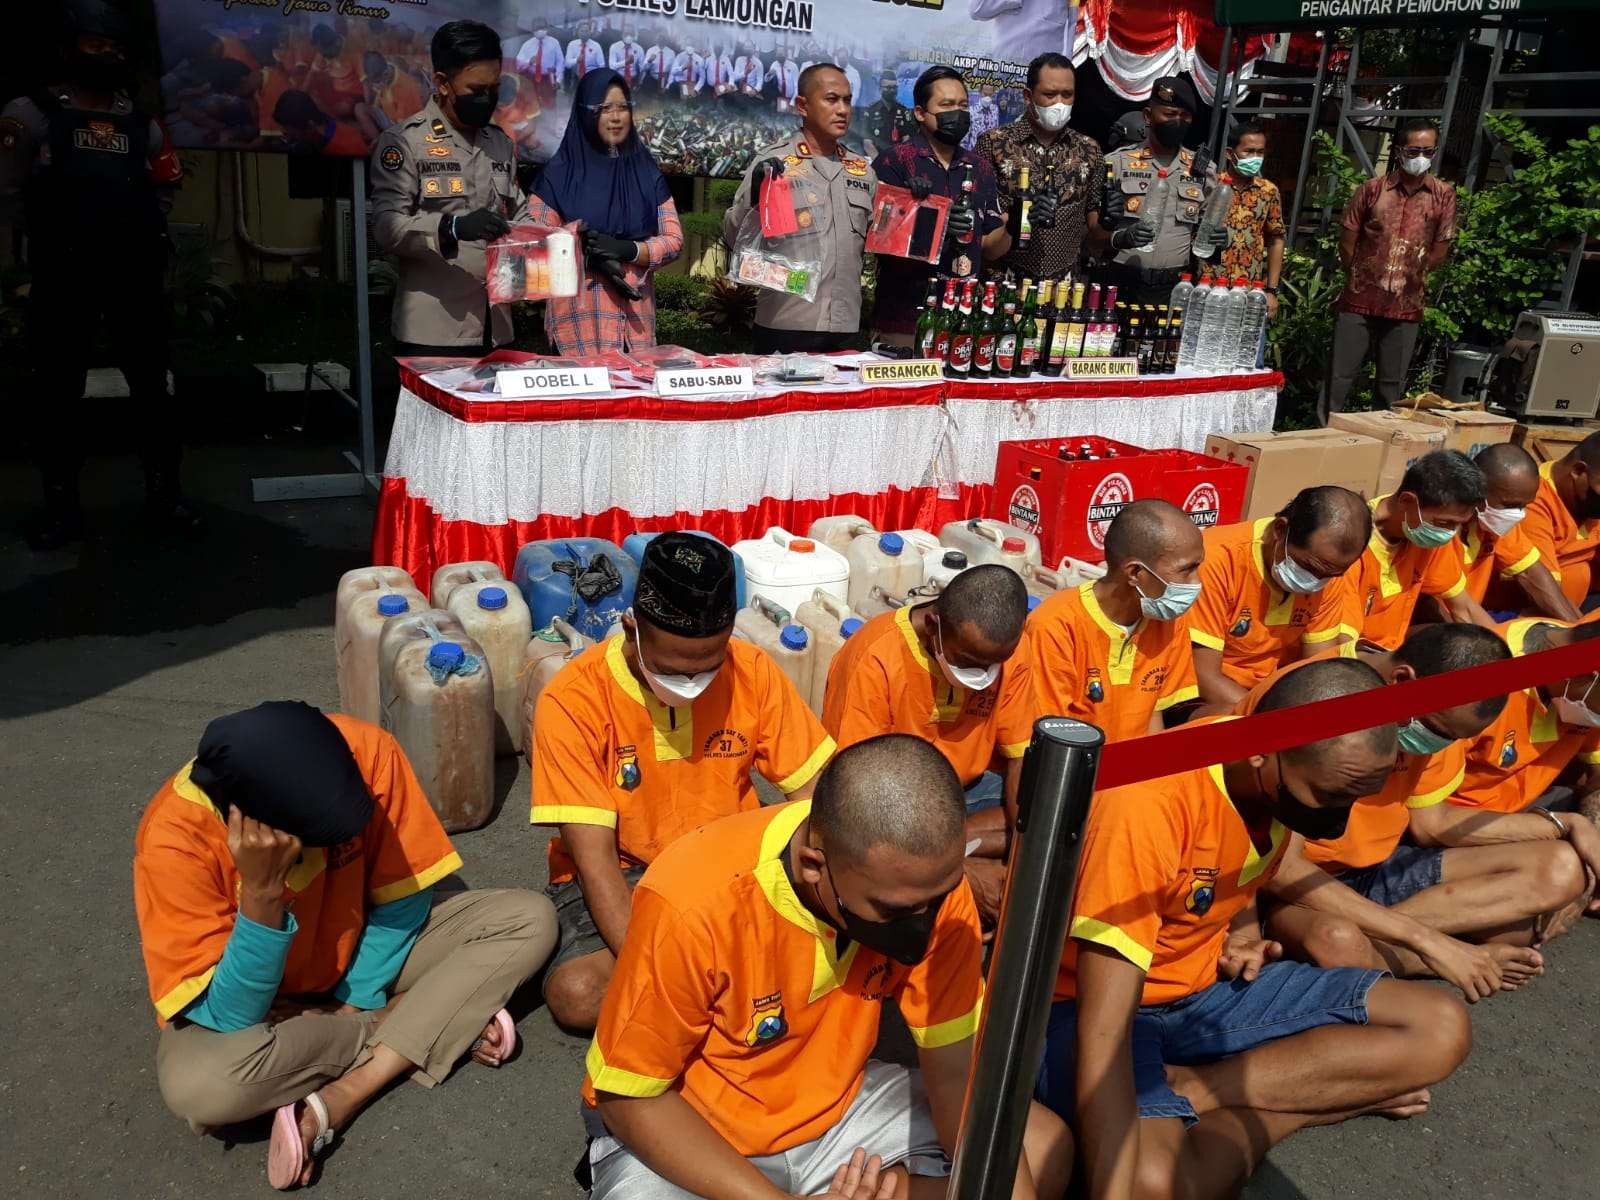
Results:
<point x="299" y="960"/>
<point x="603" y="176"/>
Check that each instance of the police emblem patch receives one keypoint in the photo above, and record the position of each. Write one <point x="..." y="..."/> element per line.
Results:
<point x="391" y="159"/>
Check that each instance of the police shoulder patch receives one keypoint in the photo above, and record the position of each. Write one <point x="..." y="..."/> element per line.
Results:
<point x="392" y="159"/>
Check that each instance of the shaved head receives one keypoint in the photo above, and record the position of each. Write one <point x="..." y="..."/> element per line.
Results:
<point x="894" y="790"/>
<point x="1589" y="451"/>
<point x="1504" y="463"/>
<point x="991" y="597"/>
<point x="1335" y="512"/>
<point x="1148" y="530"/>
<point x="1329" y="679"/>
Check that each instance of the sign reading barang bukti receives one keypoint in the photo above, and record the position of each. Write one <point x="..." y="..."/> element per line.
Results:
<point x="1287" y="14"/>
<point x="712" y="80"/>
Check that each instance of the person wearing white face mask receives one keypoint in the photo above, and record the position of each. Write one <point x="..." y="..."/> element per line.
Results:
<point x="648" y="736"/>
<point x="1497" y="555"/>
<point x="1115" y="652"/>
<point x="1065" y="171"/>
<point x="949" y="671"/>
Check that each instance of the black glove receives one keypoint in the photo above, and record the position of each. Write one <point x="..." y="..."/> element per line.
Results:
<point x="962" y="221"/>
<point x="1043" y="212"/>
<point x="919" y="188"/>
<point x="482" y="225"/>
<point x="612" y="270"/>
<point x="603" y="245"/>
<point x="758" y="177"/>
<point x="1133" y="236"/>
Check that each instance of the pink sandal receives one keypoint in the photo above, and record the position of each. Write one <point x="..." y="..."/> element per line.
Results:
<point x="286" y="1153"/>
<point x="508" y="1038"/>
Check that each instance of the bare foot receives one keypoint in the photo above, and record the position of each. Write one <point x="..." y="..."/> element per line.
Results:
<point x="1402" y="1108"/>
<point x="1518" y="964"/>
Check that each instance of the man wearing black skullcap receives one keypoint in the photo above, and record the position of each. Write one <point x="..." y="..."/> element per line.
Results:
<point x="647" y="737"/>
<point x="299" y="961"/>
<point x="1148" y="250"/>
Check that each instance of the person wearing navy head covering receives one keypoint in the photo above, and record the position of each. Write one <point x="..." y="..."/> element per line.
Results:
<point x="603" y="176"/>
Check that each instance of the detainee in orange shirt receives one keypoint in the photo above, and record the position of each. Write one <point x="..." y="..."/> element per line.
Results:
<point x="733" y="1056"/>
<point x="1496" y="548"/>
<point x="1411" y="552"/>
<point x="950" y="672"/>
<point x="648" y="736"/>
<point x="1564" y="522"/>
<point x="1181" y="1078"/>
<point x="1542" y="757"/>
<point x="1399" y="901"/>
<point x="1274" y="590"/>
<point x="298" y="957"/>
<point x="1114" y="652"/>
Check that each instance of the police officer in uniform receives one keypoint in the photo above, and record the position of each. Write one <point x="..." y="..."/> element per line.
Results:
<point x="1147" y="256"/>
<point x="444" y="184"/>
<point x="88" y="177"/>
<point x="832" y="191"/>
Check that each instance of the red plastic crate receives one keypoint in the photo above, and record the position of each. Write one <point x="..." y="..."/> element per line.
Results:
<point x="1210" y="490"/>
<point x="1068" y="504"/>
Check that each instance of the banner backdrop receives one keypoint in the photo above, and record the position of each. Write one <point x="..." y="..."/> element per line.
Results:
<point x="712" y="79"/>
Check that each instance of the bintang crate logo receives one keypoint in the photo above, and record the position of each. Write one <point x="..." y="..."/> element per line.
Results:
<point x="1024" y="508"/>
<point x="1202" y="505"/>
<point x="1112" y="495"/>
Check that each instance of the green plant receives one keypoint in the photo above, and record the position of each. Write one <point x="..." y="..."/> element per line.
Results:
<point x="729" y="309"/>
<point x="201" y="302"/>
<point x="682" y="293"/>
<point x="1299" y="338"/>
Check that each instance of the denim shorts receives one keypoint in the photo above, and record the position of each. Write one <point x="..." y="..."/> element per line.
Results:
<point x="985" y="792"/>
<point x="578" y="933"/>
<point x="1224" y="1019"/>
<point x="1409" y="870"/>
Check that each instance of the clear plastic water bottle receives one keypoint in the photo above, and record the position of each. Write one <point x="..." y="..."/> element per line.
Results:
<point x="1154" y="212"/>
<point x="1215" y="217"/>
<point x="1178" y="302"/>
<point x="1193" y="315"/>
<point x="1218" y="355"/>
<point x="1255" y="322"/>
<point x="1208" y="354"/>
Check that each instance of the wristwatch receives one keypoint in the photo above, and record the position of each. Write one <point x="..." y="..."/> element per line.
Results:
<point x="1270" y="289"/>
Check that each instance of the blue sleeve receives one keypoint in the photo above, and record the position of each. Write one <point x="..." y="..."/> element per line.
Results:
<point x="386" y="941"/>
<point x="247" y="977"/>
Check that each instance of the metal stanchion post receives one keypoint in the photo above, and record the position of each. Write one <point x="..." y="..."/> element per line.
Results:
<point x="1053" y="801"/>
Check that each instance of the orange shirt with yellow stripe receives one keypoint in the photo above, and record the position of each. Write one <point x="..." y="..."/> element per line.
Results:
<point x="1256" y="625"/>
<point x="1377" y="823"/>
<point x="186" y="888"/>
<point x="1387" y="579"/>
<point x="1518" y="758"/>
<point x="607" y="752"/>
<point x="1566" y="545"/>
<point x="1086" y="666"/>
<point x="732" y="992"/>
<point x="1485" y="557"/>
<point x="883" y="681"/>
<point x="1165" y="867"/>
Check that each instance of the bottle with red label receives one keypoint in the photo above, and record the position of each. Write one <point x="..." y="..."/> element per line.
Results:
<point x="959" y="364"/>
<point x="986" y="333"/>
<point x="1008" y="343"/>
<point x="943" y="322"/>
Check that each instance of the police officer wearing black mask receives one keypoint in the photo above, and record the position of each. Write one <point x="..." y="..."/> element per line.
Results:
<point x="87" y="178"/>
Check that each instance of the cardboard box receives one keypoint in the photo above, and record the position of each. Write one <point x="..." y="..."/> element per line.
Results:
<point x="1281" y="464"/>
<point x="1067" y="502"/>
<point x="1550" y="442"/>
<point x="1469" y="430"/>
<point x="1405" y="439"/>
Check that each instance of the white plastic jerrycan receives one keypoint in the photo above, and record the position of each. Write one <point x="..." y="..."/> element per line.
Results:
<point x="365" y="600"/>
<point x="452" y="575"/>
<point x="786" y="570"/>
<point x="824" y="618"/>
<point x="546" y="653"/>
<point x="884" y="561"/>
<point x="838" y="532"/>
<point x="984" y="540"/>
<point x="495" y="615"/>
<point x="772" y="627"/>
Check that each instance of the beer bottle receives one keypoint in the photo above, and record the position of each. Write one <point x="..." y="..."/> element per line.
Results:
<point x="1053" y="342"/>
<point x="959" y="365"/>
<point x="1169" y="346"/>
<point x="1008" y="344"/>
<point x="986" y="331"/>
<point x="1149" y="341"/>
<point x="1079" y="343"/>
<point x="927" y="321"/>
<point x="1024" y="208"/>
<point x="1128" y="343"/>
<point x="944" y="322"/>
<point x="1028" y="330"/>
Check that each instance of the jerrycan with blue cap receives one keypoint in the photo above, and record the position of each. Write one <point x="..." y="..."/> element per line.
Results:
<point x="773" y="628"/>
<point x="495" y="616"/>
<point x="633" y="546"/>
<point x="824" y="618"/>
<point x="885" y="562"/>
<point x="587" y="582"/>
<point x="437" y="699"/>
<point x="366" y="599"/>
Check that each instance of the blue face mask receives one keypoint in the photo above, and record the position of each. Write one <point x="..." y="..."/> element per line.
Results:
<point x="1172" y="603"/>
<point x="1429" y="537"/>
<point x="1292" y="577"/>
<point x="1416" y="738"/>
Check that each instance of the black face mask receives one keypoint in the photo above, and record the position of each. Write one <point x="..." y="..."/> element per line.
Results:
<point x="904" y="939"/>
<point x="100" y="72"/>
<point x="1171" y="133"/>
<point x="1294" y="814"/>
<point x="953" y="126"/>
<point x="475" y="109"/>
<point x="888" y="95"/>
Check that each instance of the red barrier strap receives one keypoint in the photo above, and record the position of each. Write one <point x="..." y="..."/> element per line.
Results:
<point x="1180" y="750"/>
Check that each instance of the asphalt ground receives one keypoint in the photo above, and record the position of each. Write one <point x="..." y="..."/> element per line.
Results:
<point x="114" y="655"/>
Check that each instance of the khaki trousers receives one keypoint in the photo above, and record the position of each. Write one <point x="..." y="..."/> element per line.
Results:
<point x="475" y="949"/>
